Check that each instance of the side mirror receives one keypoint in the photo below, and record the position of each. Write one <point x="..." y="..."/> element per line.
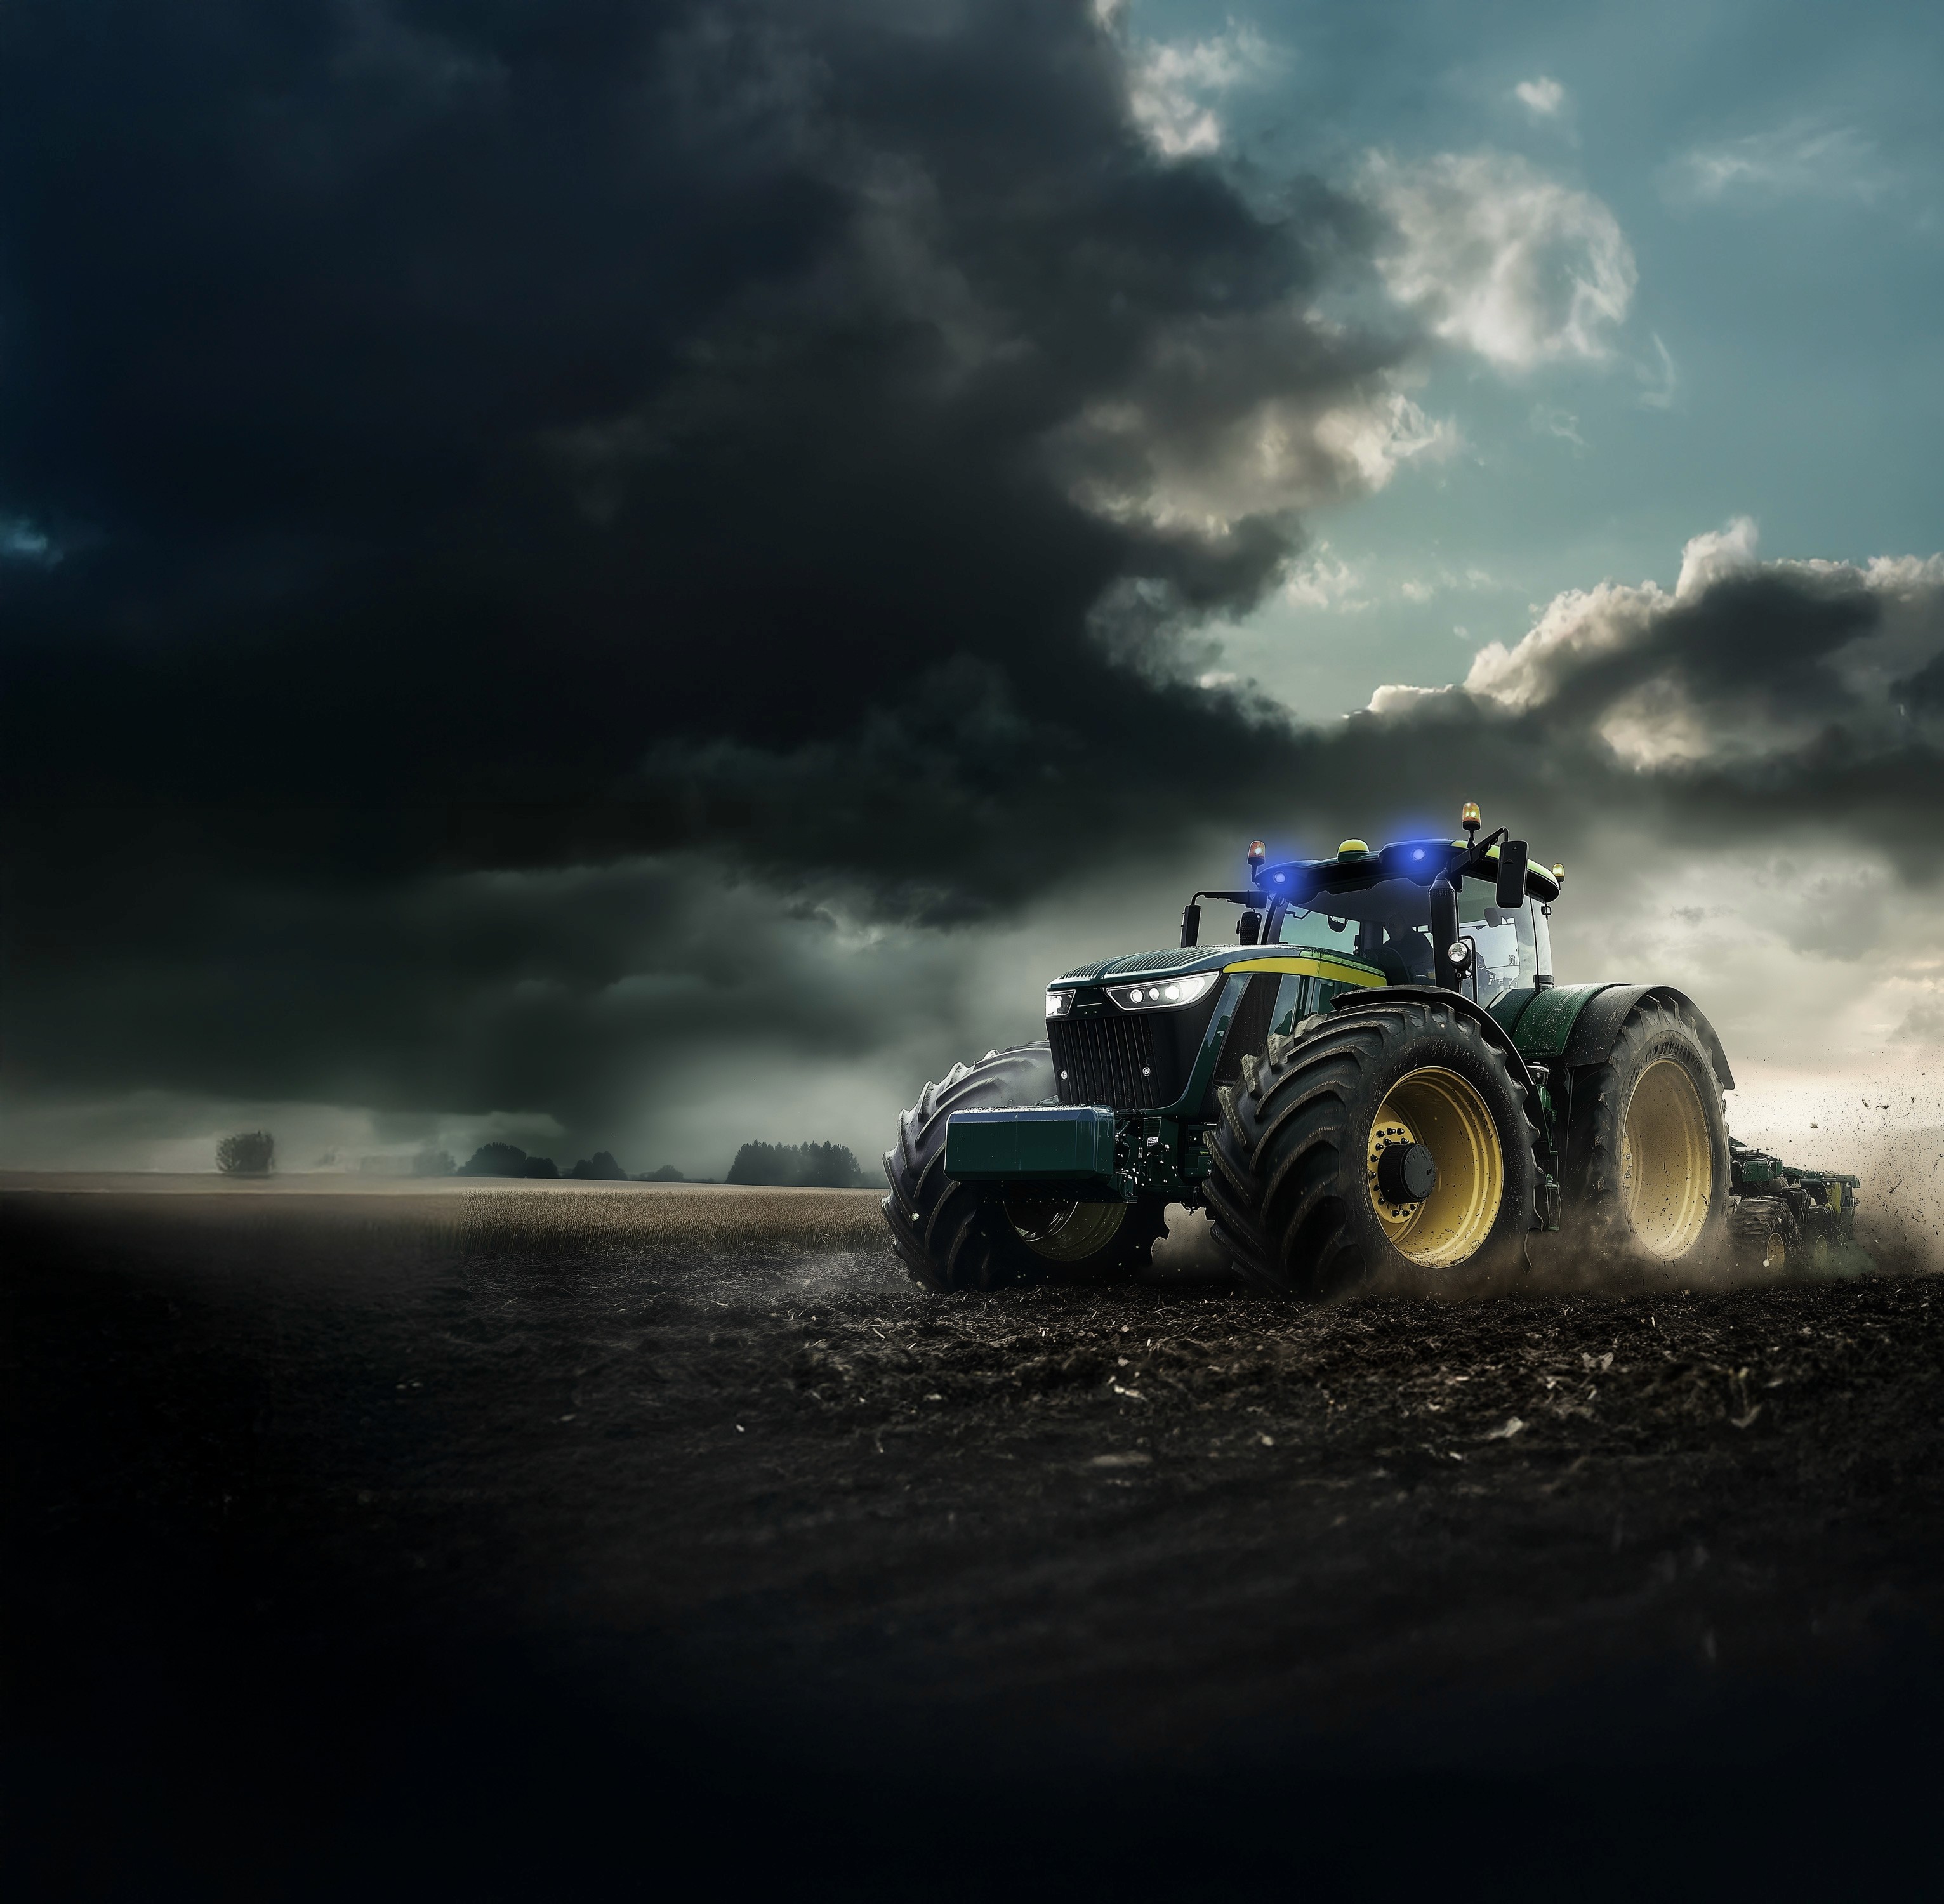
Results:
<point x="1190" y="923"/>
<point x="1512" y="856"/>
<point x="1249" y="929"/>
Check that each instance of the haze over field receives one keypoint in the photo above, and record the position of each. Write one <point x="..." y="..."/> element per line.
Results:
<point x="639" y="577"/>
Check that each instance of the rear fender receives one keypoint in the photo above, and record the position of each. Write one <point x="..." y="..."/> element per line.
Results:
<point x="1599" y="1022"/>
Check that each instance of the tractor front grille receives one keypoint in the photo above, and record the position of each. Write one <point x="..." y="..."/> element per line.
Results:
<point x="1109" y="1059"/>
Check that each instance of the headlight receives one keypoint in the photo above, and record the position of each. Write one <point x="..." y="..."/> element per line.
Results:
<point x="1059" y="1004"/>
<point x="1163" y="993"/>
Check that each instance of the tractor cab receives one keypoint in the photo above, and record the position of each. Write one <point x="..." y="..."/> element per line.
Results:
<point x="1380" y="910"/>
<point x="1380" y="915"/>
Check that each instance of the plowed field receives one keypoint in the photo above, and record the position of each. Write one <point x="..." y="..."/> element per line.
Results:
<point x="345" y="1564"/>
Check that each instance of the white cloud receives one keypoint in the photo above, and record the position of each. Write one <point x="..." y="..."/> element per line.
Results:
<point x="1501" y="259"/>
<point x="1171" y="86"/>
<point x="1324" y="582"/>
<point x="1582" y="625"/>
<point x="1151" y="458"/>
<point x="1903" y="574"/>
<point x="1562" y="423"/>
<point x="1799" y="160"/>
<point x="1421" y="588"/>
<point x="1398" y="697"/>
<point x="1659" y="381"/>
<point x="1682" y="706"/>
<point x="1542" y="96"/>
<point x="1729" y="550"/>
<point x="1378" y="438"/>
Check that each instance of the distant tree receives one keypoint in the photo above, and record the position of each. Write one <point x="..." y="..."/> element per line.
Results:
<point x="250" y="1153"/>
<point x="668" y="1173"/>
<point x="760" y="1163"/>
<point x="831" y="1166"/>
<point x="821" y="1167"/>
<point x="433" y="1162"/>
<point x="600" y="1168"/>
<point x="495" y="1160"/>
<point x="541" y="1167"/>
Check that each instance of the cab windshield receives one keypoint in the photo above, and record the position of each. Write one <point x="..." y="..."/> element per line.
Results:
<point x="1387" y="924"/>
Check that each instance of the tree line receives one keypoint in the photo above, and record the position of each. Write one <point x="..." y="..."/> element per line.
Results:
<point x="805" y="1165"/>
<point x="808" y="1167"/>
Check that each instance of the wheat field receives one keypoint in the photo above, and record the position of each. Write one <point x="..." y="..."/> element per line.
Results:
<point x="469" y="1216"/>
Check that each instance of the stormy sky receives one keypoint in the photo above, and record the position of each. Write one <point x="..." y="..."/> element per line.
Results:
<point x="640" y="575"/>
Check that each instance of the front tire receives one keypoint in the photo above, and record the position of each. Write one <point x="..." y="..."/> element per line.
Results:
<point x="953" y="1235"/>
<point x="1302" y="1193"/>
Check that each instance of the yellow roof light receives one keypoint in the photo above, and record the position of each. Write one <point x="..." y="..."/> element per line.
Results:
<point x="1470" y="818"/>
<point x="1258" y="852"/>
<point x="1559" y="873"/>
<point x="1351" y="848"/>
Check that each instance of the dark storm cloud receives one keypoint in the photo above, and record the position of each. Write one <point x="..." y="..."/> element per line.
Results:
<point x="515" y="473"/>
<point x="450" y="409"/>
<point x="1754" y="704"/>
<point x="531" y="437"/>
<point x="1760" y="702"/>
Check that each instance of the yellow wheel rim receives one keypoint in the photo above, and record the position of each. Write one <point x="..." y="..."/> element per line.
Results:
<point x="1441" y="1111"/>
<point x="1775" y="1251"/>
<point x="1063" y="1232"/>
<point x="1667" y="1163"/>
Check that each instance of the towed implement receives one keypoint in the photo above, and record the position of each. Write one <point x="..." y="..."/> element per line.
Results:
<point x="1780" y="1214"/>
<point x="1379" y="1073"/>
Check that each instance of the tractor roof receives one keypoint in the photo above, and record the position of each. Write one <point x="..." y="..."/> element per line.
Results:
<point x="1354" y="865"/>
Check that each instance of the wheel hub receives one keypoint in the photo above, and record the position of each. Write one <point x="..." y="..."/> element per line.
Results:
<point x="1406" y="1173"/>
<point x="1063" y="1230"/>
<point x="1434" y="1167"/>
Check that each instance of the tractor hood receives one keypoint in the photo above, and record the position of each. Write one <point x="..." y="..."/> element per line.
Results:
<point x="1179" y="962"/>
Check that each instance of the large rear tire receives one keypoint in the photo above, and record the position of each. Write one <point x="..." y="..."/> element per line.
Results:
<point x="1646" y="1153"/>
<point x="1392" y="1138"/>
<point x="953" y="1235"/>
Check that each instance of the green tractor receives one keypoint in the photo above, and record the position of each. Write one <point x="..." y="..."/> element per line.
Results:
<point x="1378" y="1075"/>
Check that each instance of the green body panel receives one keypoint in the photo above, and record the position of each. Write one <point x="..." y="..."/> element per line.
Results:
<point x="1073" y="1144"/>
<point x="1300" y="994"/>
<point x="1210" y="1054"/>
<point x="1543" y="1021"/>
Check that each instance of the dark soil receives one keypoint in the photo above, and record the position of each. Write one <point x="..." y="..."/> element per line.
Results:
<point x="333" y="1577"/>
